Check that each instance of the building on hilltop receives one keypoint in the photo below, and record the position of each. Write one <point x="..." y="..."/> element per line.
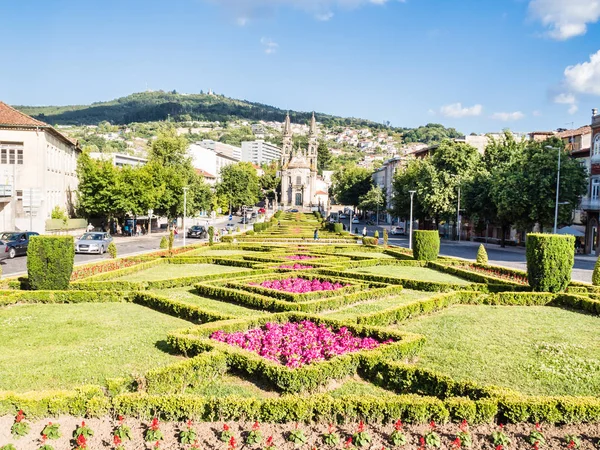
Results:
<point x="37" y="171"/>
<point x="299" y="169"/>
<point x="260" y="152"/>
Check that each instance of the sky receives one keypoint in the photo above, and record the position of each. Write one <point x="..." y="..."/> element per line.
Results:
<point x="476" y="65"/>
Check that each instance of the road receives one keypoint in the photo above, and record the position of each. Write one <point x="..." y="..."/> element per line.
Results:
<point x="512" y="257"/>
<point x="126" y="246"/>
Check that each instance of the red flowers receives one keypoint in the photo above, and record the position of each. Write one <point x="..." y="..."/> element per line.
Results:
<point x="225" y="427"/>
<point x="81" y="442"/>
<point x="464" y="426"/>
<point x="361" y="427"/>
<point x="538" y="427"/>
<point x="398" y="425"/>
<point x="20" y="416"/>
<point x="456" y="443"/>
<point x="571" y="444"/>
<point x="348" y="443"/>
<point x="154" y="426"/>
<point x="432" y="425"/>
<point x="117" y="440"/>
<point x="499" y="447"/>
<point x="256" y="426"/>
<point x="232" y="443"/>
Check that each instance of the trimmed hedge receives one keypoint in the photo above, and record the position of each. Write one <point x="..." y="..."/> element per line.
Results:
<point x="426" y="245"/>
<point x="370" y="241"/>
<point x="50" y="262"/>
<point x="550" y="259"/>
<point x="176" y="308"/>
<point x="63" y="297"/>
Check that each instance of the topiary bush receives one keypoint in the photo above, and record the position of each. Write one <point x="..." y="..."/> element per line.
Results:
<point x="550" y="259"/>
<point x="171" y="241"/>
<point x="385" y="237"/>
<point x="164" y="243"/>
<point x="426" y="245"/>
<point x="596" y="274"/>
<point x="338" y="227"/>
<point x="482" y="257"/>
<point x="372" y="241"/>
<point x="376" y="234"/>
<point x="211" y="235"/>
<point x="112" y="250"/>
<point x="50" y="262"/>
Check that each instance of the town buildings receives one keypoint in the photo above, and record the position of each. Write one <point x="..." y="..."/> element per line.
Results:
<point x="228" y="150"/>
<point x="37" y="171"/>
<point x="591" y="203"/>
<point x="120" y="159"/>
<point x="209" y="160"/>
<point x="260" y="152"/>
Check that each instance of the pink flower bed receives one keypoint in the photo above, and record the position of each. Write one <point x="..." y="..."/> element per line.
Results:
<point x="300" y="257"/>
<point x="300" y="285"/>
<point x="295" y="267"/>
<point x="297" y="344"/>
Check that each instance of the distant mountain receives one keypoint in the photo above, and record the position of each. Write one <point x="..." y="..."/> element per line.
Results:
<point x="160" y="105"/>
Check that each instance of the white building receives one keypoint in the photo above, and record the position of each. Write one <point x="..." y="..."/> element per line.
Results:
<point x="260" y="152"/>
<point x="226" y="149"/>
<point x="120" y="159"/>
<point x="37" y="171"/>
<point x="209" y="161"/>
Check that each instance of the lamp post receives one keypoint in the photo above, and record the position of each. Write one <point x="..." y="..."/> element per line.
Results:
<point x="150" y="211"/>
<point x="458" y="215"/>
<point x="185" y="189"/>
<point x="350" y="216"/>
<point x="549" y="147"/>
<point x="411" y="219"/>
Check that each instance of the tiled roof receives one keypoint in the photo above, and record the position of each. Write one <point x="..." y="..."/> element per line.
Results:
<point x="204" y="173"/>
<point x="321" y="193"/>
<point x="578" y="132"/>
<point x="10" y="116"/>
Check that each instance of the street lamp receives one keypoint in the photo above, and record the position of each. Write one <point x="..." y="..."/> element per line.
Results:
<point x="549" y="147"/>
<point x="411" y="219"/>
<point x="185" y="189"/>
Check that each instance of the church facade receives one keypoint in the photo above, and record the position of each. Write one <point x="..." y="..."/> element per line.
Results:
<point x="299" y="169"/>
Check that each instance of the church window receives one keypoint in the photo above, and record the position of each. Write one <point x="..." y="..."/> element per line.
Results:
<point x="597" y="145"/>
<point x="298" y="180"/>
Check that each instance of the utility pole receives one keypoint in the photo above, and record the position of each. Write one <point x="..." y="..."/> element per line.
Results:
<point x="30" y="209"/>
<point x="411" y="220"/>
<point x="557" y="187"/>
<point x="185" y="189"/>
<point x="458" y="215"/>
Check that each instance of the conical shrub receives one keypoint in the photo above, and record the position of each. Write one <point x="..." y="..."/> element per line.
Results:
<point x="482" y="257"/>
<point x="596" y="274"/>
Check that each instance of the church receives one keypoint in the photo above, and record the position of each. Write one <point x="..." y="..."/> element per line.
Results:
<point x="300" y="186"/>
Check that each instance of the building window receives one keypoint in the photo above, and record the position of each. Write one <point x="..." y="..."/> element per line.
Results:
<point x="597" y="145"/>
<point x="298" y="180"/>
<point x="595" y="189"/>
<point x="11" y="153"/>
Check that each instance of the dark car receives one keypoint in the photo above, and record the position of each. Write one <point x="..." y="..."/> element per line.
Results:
<point x="197" y="231"/>
<point x="15" y="242"/>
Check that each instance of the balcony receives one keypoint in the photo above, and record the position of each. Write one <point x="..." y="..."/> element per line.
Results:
<point x="589" y="204"/>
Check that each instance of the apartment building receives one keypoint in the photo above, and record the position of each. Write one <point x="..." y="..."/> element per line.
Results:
<point x="260" y="152"/>
<point x="209" y="161"/>
<point x="120" y="159"/>
<point x="37" y="171"/>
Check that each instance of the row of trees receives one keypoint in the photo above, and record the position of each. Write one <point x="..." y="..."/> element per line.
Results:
<point x="108" y="191"/>
<point x="512" y="184"/>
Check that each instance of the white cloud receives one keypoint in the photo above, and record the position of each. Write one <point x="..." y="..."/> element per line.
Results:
<point x="508" y="116"/>
<point x="456" y="110"/>
<point x="584" y="78"/>
<point x="269" y="46"/>
<point x="565" y="18"/>
<point x="565" y="99"/>
<point x="321" y="9"/>
<point x="573" y="109"/>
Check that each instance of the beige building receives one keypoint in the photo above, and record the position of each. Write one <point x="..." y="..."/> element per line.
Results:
<point x="37" y="171"/>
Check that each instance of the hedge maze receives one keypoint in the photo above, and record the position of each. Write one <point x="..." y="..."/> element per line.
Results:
<point x="229" y="298"/>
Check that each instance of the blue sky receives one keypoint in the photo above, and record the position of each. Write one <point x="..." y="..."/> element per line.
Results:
<point x="477" y="65"/>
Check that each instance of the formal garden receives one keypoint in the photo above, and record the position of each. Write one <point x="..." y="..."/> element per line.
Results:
<point x="274" y="340"/>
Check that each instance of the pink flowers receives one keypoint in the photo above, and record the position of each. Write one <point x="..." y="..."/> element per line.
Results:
<point x="300" y="257"/>
<point x="301" y="285"/>
<point x="296" y="344"/>
<point x="295" y="267"/>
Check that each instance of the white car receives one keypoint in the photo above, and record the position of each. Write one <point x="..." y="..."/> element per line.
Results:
<point x="355" y="220"/>
<point x="396" y="230"/>
<point x="230" y="227"/>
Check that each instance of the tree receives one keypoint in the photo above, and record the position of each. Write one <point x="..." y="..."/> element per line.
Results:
<point x="239" y="184"/>
<point x="351" y="183"/>
<point x="269" y="181"/>
<point x="98" y="193"/>
<point x="323" y="157"/>
<point x="373" y="200"/>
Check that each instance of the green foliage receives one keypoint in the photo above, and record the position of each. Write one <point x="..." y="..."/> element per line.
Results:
<point x="376" y="234"/>
<point x="59" y="213"/>
<point x="171" y="241"/>
<point x="8" y="447"/>
<point x="536" y="437"/>
<point x="338" y="227"/>
<point x="362" y="437"/>
<point x="373" y="200"/>
<point x="466" y="440"/>
<point x="297" y="437"/>
<point x="112" y="250"/>
<point x="254" y="435"/>
<point x="211" y="235"/>
<point x="20" y="428"/>
<point x="385" y="237"/>
<point x="398" y="438"/>
<point x="426" y="245"/>
<point x="331" y="438"/>
<point x="239" y="184"/>
<point x="51" y="431"/>
<point x="50" y="262"/>
<point x="351" y="183"/>
<point x="122" y="430"/>
<point x="370" y="241"/>
<point x="433" y="440"/>
<point x="153" y="433"/>
<point x="482" y="257"/>
<point x="572" y="441"/>
<point x="550" y="259"/>
<point x="83" y="430"/>
<point x="164" y="242"/>
<point x="596" y="273"/>
<point x="188" y="435"/>
<point x="499" y="437"/>
<point x="432" y="133"/>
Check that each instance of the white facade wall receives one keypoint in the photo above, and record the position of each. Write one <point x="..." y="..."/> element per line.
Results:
<point x="45" y="179"/>
<point x="119" y="159"/>
<point x="260" y="152"/>
<point x="209" y="160"/>
<point x="226" y="149"/>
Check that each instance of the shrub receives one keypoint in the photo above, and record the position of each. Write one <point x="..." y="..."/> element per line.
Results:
<point x="211" y="235"/>
<point x="250" y="233"/>
<point x="596" y="274"/>
<point x="426" y="245"/>
<point x="385" y="237"/>
<point x="171" y="241"/>
<point x="338" y="227"/>
<point x="369" y="240"/>
<point x="550" y="259"/>
<point x="50" y="262"/>
<point x="482" y="257"/>
<point x="376" y="234"/>
<point x="112" y="250"/>
<point x="164" y="243"/>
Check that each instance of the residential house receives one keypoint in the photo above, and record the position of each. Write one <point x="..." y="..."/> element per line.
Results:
<point x="591" y="203"/>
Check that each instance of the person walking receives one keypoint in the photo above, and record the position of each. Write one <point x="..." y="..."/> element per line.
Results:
<point x="364" y="231"/>
<point x="90" y="227"/>
<point x="316" y="234"/>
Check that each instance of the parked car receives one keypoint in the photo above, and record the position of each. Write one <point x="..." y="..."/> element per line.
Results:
<point x="343" y="216"/>
<point x="355" y="220"/>
<point x="230" y="227"/>
<point x="197" y="231"/>
<point x="262" y="211"/>
<point x="294" y="210"/>
<point x="94" y="242"/>
<point x="396" y="230"/>
<point x="15" y="242"/>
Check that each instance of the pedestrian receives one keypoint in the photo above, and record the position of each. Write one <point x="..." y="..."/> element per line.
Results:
<point x="356" y="230"/>
<point x="316" y="234"/>
<point x="118" y="228"/>
<point x="125" y="229"/>
<point x="364" y="231"/>
<point x="175" y="232"/>
<point x="90" y="227"/>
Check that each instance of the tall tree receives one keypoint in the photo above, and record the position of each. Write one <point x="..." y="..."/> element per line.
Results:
<point x="99" y="193"/>
<point x="374" y="200"/>
<point x="351" y="183"/>
<point x="239" y="184"/>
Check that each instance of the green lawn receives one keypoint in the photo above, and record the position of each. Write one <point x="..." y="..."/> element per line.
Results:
<point x="61" y="346"/>
<point x="230" y="385"/>
<point x="412" y="273"/>
<point x="187" y="295"/>
<point x="375" y="255"/>
<point x="357" y="386"/>
<point x="217" y="252"/>
<point x="168" y="271"/>
<point x="535" y="350"/>
<point x="352" y="311"/>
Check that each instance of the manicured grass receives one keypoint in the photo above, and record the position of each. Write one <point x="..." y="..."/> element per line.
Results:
<point x="350" y="312"/>
<point x="187" y="295"/>
<point x="375" y="255"/>
<point x="217" y="252"/>
<point x="412" y="273"/>
<point x="535" y="350"/>
<point x="168" y="271"/>
<point x="357" y="386"/>
<point x="61" y="346"/>
<point x="231" y="385"/>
